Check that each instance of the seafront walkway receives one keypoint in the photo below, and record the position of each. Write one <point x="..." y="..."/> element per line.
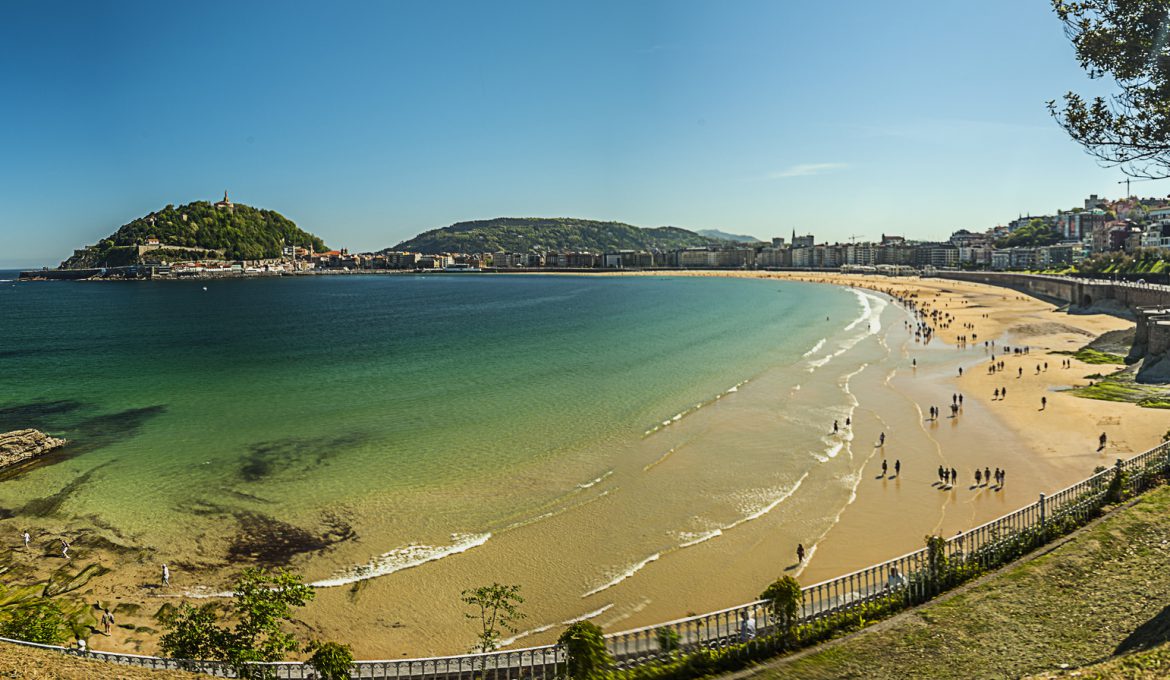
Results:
<point x="825" y="608"/>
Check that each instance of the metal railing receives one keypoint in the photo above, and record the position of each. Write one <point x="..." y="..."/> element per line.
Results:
<point x="909" y="579"/>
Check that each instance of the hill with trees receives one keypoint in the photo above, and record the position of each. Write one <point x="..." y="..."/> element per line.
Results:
<point x="1034" y="233"/>
<point x="199" y="229"/>
<point x="542" y="234"/>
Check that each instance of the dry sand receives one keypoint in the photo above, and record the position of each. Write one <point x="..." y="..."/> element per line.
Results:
<point x="1042" y="451"/>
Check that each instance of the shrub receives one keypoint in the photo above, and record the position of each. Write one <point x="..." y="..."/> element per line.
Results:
<point x="784" y="599"/>
<point x="584" y="645"/>
<point x="331" y="660"/>
<point x="40" y="621"/>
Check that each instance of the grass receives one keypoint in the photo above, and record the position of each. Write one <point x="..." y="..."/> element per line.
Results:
<point x="38" y="664"/>
<point x="1077" y="604"/>
<point x="1121" y="386"/>
<point x="1091" y="356"/>
<point x="1149" y="665"/>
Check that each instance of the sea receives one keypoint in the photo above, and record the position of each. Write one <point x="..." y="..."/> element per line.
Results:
<point x="599" y="440"/>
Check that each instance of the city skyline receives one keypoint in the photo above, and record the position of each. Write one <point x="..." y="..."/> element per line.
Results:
<point x="369" y="124"/>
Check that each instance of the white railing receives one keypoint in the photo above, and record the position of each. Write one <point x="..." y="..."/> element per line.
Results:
<point x="903" y="580"/>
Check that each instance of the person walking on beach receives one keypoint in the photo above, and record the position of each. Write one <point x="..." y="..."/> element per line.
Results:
<point x="960" y="400"/>
<point x="1002" y="393"/>
<point x="978" y="477"/>
<point x="848" y="421"/>
<point x="64" y="548"/>
<point x="996" y="398"/>
<point x="1103" y="440"/>
<point x="884" y="468"/>
<point x="954" y="476"/>
<point x="882" y="439"/>
<point x="987" y="475"/>
<point x="835" y="427"/>
<point x="800" y="553"/>
<point x="898" y="467"/>
<point x="1043" y="403"/>
<point x="960" y="371"/>
<point x="26" y="538"/>
<point x="1020" y="374"/>
<point x="166" y="574"/>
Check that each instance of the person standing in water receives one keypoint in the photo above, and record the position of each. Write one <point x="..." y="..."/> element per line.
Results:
<point x="800" y="553"/>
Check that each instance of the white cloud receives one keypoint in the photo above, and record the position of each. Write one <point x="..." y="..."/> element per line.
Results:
<point x="806" y="169"/>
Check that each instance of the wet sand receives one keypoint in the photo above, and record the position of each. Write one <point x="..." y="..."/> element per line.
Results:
<point x="416" y="612"/>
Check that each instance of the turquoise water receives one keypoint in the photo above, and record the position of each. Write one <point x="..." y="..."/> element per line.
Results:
<point x="400" y="409"/>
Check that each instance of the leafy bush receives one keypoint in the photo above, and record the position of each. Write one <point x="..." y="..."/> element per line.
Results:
<point x="40" y="621"/>
<point x="584" y="645"/>
<point x="331" y="660"/>
<point x="261" y="602"/>
<point x="784" y="598"/>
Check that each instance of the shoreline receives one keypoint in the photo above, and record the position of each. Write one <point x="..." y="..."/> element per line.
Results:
<point x="744" y="561"/>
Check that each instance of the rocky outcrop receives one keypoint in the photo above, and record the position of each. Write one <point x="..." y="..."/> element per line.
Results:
<point x="20" y="445"/>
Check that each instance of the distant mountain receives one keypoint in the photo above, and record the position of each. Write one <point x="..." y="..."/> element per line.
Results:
<point x="544" y="234"/>
<point x="201" y="229"/>
<point x="724" y="236"/>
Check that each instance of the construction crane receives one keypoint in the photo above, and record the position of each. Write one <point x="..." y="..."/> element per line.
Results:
<point x="853" y="237"/>
<point x="1127" y="180"/>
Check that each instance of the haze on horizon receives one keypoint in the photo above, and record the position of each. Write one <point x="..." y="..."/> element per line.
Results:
<point x="368" y="123"/>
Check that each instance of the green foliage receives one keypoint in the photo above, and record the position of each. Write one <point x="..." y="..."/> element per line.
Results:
<point x="38" y="621"/>
<point x="192" y="632"/>
<point x="1092" y="356"/>
<point x="668" y="639"/>
<point x="245" y="233"/>
<point x="331" y="660"/>
<point x="529" y="234"/>
<point x="584" y="645"/>
<point x="1036" y="232"/>
<point x="1140" y="261"/>
<point x="1123" y="39"/>
<point x="1117" y="485"/>
<point x="262" y="601"/>
<point x="784" y="597"/>
<point x="497" y="610"/>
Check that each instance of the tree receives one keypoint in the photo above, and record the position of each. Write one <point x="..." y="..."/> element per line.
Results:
<point x="1124" y="39"/>
<point x="331" y="660"/>
<point x="584" y="645"/>
<point x="192" y="632"/>
<point x="38" y="621"/>
<point x="784" y="599"/>
<point x="262" y="601"/>
<point x="497" y="610"/>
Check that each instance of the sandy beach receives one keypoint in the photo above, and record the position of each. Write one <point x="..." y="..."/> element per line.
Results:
<point x="1042" y="449"/>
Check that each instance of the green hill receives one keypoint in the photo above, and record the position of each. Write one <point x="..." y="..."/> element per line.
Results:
<point x="198" y="229"/>
<point x="528" y="234"/>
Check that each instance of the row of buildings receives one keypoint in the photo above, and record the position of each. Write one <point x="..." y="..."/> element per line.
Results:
<point x="1098" y="226"/>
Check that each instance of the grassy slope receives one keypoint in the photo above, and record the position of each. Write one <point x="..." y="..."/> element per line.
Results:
<point x="38" y="664"/>
<point x="1147" y="665"/>
<point x="1074" y="605"/>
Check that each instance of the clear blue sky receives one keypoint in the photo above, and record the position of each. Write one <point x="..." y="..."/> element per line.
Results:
<point x="367" y="122"/>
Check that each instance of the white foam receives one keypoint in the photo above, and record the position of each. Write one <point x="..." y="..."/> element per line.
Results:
<point x="815" y="348"/>
<point x="684" y="413"/>
<point x="405" y="557"/>
<point x="588" y="484"/>
<point x="630" y="571"/>
<point x="756" y="514"/>
<point x="540" y="629"/>
<point x="690" y="539"/>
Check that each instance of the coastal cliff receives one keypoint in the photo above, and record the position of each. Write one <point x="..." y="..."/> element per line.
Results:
<point x="20" y="445"/>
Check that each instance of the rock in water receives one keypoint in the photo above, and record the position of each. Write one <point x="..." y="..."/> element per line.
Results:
<point x="20" y="445"/>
